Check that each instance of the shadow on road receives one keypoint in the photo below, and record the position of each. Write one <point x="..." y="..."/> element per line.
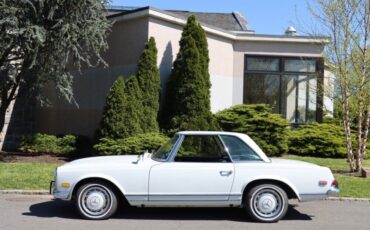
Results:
<point x="64" y="209"/>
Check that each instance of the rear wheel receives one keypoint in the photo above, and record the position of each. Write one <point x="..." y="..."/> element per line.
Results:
<point x="96" y="200"/>
<point x="267" y="203"/>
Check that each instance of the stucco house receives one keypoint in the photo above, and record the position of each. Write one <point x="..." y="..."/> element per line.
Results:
<point x="285" y="70"/>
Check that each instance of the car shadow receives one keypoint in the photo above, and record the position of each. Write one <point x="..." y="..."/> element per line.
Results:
<point x="67" y="210"/>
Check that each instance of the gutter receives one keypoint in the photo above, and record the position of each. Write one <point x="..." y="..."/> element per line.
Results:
<point x="166" y="16"/>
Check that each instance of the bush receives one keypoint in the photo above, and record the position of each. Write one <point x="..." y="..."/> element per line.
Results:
<point x="319" y="140"/>
<point x="132" y="145"/>
<point x="267" y="129"/>
<point x="49" y="144"/>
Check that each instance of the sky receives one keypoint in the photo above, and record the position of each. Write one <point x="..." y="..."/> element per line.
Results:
<point x="264" y="16"/>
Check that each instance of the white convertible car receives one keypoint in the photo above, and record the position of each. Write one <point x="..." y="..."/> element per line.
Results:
<point x="194" y="169"/>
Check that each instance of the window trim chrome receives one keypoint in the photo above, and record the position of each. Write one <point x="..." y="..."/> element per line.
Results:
<point x="181" y="138"/>
<point x="232" y="160"/>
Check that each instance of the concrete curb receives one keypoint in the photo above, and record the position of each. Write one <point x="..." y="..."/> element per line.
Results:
<point x="25" y="192"/>
<point x="348" y="199"/>
<point x="46" y="192"/>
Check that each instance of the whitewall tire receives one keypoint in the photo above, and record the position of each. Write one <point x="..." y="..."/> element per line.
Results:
<point x="96" y="201"/>
<point x="267" y="203"/>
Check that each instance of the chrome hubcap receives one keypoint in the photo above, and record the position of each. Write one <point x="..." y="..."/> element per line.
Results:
<point x="267" y="203"/>
<point x="95" y="200"/>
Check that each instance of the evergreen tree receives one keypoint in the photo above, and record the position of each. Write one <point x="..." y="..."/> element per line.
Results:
<point x="149" y="83"/>
<point x="132" y="108"/>
<point x="112" y="125"/>
<point x="188" y="90"/>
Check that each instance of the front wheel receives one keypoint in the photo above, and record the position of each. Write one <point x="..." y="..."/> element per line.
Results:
<point x="96" y="201"/>
<point x="267" y="203"/>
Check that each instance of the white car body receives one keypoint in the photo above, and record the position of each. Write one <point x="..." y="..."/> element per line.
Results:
<point x="147" y="182"/>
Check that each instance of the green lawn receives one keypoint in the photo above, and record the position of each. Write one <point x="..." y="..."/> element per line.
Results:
<point x="353" y="186"/>
<point x="333" y="163"/>
<point x="26" y="175"/>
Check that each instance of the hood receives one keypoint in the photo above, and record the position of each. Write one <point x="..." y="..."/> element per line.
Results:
<point x="104" y="160"/>
<point x="287" y="162"/>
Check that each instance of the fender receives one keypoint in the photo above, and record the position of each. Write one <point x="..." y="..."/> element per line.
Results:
<point x="99" y="176"/>
<point x="275" y="178"/>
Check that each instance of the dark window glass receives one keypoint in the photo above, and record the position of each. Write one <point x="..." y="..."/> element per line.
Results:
<point x="201" y="148"/>
<point x="288" y="97"/>
<point x="312" y="99"/>
<point x="262" y="88"/>
<point x="292" y="95"/>
<point x="262" y="63"/>
<point x="238" y="150"/>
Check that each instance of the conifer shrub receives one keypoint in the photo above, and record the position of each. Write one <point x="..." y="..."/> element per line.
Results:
<point x="132" y="108"/>
<point x="188" y="89"/>
<point x="149" y="83"/>
<point x="267" y="129"/>
<point x="318" y="140"/>
<point x="112" y="123"/>
<point x="137" y="144"/>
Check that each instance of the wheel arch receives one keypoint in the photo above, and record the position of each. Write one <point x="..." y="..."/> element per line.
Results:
<point x="287" y="187"/>
<point x="117" y="189"/>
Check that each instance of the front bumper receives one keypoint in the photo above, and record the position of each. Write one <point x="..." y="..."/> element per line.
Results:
<point x="64" y="195"/>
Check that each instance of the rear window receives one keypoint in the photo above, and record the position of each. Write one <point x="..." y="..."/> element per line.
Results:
<point x="238" y="150"/>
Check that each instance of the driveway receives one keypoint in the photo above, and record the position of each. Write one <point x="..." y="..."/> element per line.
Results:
<point x="41" y="212"/>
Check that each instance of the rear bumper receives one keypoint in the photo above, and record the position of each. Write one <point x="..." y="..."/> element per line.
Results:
<point x="64" y="195"/>
<point x="333" y="191"/>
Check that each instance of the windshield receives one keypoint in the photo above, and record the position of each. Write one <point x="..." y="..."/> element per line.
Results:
<point x="164" y="151"/>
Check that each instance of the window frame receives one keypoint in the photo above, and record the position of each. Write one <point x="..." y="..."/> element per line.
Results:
<point x="239" y="161"/>
<point x="178" y="144"/>
<point x="281" y="73"/>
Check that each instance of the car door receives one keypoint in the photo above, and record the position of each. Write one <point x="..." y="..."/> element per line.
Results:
<point x="200" y="172"/>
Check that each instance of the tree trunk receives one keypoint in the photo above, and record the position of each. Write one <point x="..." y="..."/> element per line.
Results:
<point x="365" y="135"/>
<point x="359" y="137"/>
<point x="347" y="129"/>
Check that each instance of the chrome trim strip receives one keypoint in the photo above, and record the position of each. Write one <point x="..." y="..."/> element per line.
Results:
<point x="182" y="197"/>
<point x="175" y="148"/>
<point x="312" y="197"/>
<point x="225" y="148"/>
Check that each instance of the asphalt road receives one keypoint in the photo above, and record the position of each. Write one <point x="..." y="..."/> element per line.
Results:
<point x="19" y="212"/>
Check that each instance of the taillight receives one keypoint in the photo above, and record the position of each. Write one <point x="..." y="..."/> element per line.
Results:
<point x="335" y="183"/>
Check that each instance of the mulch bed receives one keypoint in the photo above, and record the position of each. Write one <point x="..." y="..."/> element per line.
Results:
<point x="18" y="157"/>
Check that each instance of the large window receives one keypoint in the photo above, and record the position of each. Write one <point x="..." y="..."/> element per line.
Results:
<point x="288" y="84"/>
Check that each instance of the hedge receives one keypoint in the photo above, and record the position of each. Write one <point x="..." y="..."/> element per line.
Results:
<point x="48" y="144"/>
<point x="318" y="140"/>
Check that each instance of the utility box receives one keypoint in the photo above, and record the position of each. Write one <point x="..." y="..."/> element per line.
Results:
<point x="365" y="172"/>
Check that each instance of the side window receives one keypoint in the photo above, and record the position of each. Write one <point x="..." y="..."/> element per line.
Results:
<point x="201" y="148"/>
<point x="238" y="150"/>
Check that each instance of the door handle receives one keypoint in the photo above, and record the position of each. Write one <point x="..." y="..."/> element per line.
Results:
<point x="226" y="173"/>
